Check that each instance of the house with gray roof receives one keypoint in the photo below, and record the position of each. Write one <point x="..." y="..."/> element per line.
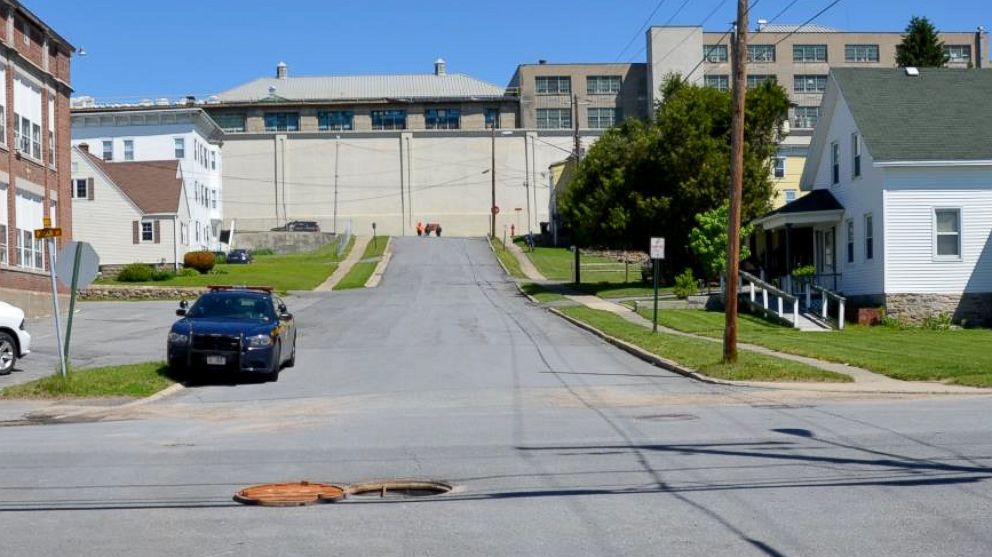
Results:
<point x="900" y="209"/>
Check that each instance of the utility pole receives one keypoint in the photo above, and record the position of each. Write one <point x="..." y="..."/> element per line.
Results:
<point x="527" y="182"/>
<point x="736" y="184"/>
<point x="337" y="149"/>
<point x="492" y="170"/>
<point x="575" y="133"/>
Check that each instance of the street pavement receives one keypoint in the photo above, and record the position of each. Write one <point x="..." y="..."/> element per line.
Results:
<point x="556" y="443"/>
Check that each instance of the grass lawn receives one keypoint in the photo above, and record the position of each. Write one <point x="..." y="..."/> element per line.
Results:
<point x="538" y="292"/>
<point x="507" y="258"/>
<point x="702" y="355"/>
<point x="135" y="380"/>
<point x="298" y="271"/>
<point x="360" y="273"/>
<point x="556" y="264"/>
<point x="961" y="357"/>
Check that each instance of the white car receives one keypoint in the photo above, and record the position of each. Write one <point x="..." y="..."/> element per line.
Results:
<point x="15" y="342"/>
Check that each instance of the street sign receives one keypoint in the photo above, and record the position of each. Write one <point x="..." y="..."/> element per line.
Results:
<point x="42" y="233"/>
<point x="46" y="222"/>
<point x="89" y="264"/>
<point x="657" y="248"/>
<point x="495" y="210"/>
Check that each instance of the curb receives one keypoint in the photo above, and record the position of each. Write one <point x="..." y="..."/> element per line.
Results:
<point x="500" y="261"/>
<point x="380" y="269"/>
<point x="168" y="391"/>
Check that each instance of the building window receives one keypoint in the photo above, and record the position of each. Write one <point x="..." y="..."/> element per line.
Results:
<point x="282" y="121"/>
<point x="336" y="120"/>
<point x="715" y="53"/>
<point x="958" y="53"/>
<point x="28" y="109"/>
<point x="603" y="84"/>
<point x="231" y="121"/>
<point x="835" y="163"/>
<point x="809" y="83"/>
<point x="947" y="230"/>
<point x="720" y="82"/>
<point x="554" y="118"/>
<point x="3" y="243"/>
<point x="388" y="119"/>
<point x="554" y="85"/>
<point x="129" y="149"/>
<point x="809" y="53"/>
<point x="492" y="118"/>
<point x="861" y="53"/>
<point x="855" y="155"/>
<point x="213" y="160"/>
<point x="757" y="79"/>
<point x="761" y="53"/>
<point x="108" y="150"/>
<point x="850" y="240"/>
<point x="869" y="237"/>
<point x="180" y="147"/>
<point x="29" y="211"/>
<point x="51" y="130"/>
<point x="602" y="118"/>
<point x="806" y="117"/>
<point x="80" y="188"/>
<point x="780" y="167"/>
<point x="213" y="199"/>
<point x="442" y="118"/>
<point x="147" y="231"/>
<point x="790" y="195"/>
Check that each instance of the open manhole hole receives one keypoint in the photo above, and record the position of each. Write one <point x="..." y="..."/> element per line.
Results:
<point x="398" y="489"/>
<point x="293" y="494"/>
<point x="668" y="417"/>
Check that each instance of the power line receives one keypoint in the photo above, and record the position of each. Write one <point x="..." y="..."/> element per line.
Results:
<point x="808" y="21"/>
<point x="782" y="11"/>
<point x="668" y="21"/>
<point x="641" y="28"/>
<point x="720" y="40"/>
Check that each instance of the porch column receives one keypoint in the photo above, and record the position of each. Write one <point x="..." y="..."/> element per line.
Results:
<point x="788" y="249"/>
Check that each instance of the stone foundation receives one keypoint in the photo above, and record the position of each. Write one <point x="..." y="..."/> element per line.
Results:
<point x="112" y="293"/>
<point x="972" y="309"/>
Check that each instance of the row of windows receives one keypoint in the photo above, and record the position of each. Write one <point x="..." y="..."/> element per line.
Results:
<point x="28" y="108"/>
<point x="562" y="85"/>
<point x="856" y="149"/>
<point x="561" y="118"/>
<point x="806" y="53"/>
<point x="946" y="229"/>
<point x="344" y="120"/>
<point x="800" y="83"/>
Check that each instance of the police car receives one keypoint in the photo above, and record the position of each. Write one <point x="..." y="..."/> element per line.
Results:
<point x="247" y="330"/>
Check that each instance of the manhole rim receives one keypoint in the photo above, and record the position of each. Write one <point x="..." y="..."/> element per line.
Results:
<point x="369" y="488"/>
<point x="321" y="494"/>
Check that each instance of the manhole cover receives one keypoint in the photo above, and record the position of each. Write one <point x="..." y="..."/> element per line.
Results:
<point x="668" y="417"/>
<point x="289" y="494"/>
<point x="398" y="489"/>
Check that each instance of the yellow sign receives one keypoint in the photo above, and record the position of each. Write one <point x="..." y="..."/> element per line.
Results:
<point x="40" y="233"/>
<point x="46" y="222"/>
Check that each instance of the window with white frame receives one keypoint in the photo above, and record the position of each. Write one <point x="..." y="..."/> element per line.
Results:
<point x="213" y="160"/>
<point x="947" y="233"/>
<point x="51" y="128"/>
<point x="720" y="82"/>
<point x="29" y="210"/>
<point x="809" y="83"/>
<point x="80" y="188"/>
<point x="780" y="167"/>
<point x="805" y="117"/>
<point x="442" y="118"/>
<point x="213" y="199"/>
<point x="231" y="121"/>
<point x="861" y="53"/>
<point x="755" y="80"/>
<point x="3" y="105"/>
<point x="834" y="163"/>
<point x="3" y="223"/>
<point x="554" y="118"/>
<point x="129" y="149"/>
<point x="809" y="53"/>
<point x="147" y="231"/>
<point x="603" y="84"/>
<point x="869" y="237"/>
<point x="180" y="147"/>
<point x="855" y="155"/>
<point x="108" y="149"/>
<point x="790" y="195"/>
<point x="850" y="240"/>
<point x="602" y="118"/>
<point x="760" y="53"/>
<point x="715" y="53"/>
<point x="553" y="85"/>
<point x="388" y="119"/>
<point x="27" y="117"/>
<point x="958" y="53"/>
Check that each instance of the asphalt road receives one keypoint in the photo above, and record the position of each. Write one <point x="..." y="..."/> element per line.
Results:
<point x="557" y="444"/>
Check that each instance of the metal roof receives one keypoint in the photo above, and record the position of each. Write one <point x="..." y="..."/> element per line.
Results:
<point x="796" y="28"/>
<point x="362" y="87"/>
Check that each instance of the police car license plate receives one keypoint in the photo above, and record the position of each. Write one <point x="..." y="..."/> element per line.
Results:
<point x="216" y="360"/>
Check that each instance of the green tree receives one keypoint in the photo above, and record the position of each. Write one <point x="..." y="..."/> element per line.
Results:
<point x="708" y="240"/>
<point x="650" y="178"/>
<point x="920" y="46"/>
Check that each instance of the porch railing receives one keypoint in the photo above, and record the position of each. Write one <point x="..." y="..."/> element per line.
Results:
<point x="754" y="288"/>
<point x="826" y="296"/>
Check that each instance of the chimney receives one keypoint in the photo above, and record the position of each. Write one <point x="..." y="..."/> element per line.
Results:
<point x="282" y="71"/>
<point x="440" y="67"/>
<point x="981" y="47"/>
<point x="85" y="147"/>
<point x="190" y="100"/>
<point x="762" y="23"/>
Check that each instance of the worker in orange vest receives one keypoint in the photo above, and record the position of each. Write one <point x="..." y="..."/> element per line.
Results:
<point x="420" y="228"/>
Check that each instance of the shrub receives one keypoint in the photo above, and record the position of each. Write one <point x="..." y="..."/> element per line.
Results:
<point x="136" y="272"/>
<point x="685" y="285"/>
<point x="202" y="261"/>
<point x="162" y="274"/>
<point x="189" y="273"/>
<point x="939" y="322"/>
<point x="263" y="251"/>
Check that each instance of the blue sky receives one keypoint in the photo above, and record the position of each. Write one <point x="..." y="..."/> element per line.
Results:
<point x="139" y="48"/>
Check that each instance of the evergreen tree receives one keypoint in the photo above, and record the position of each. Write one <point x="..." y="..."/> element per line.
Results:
<point x="920" y="46"/>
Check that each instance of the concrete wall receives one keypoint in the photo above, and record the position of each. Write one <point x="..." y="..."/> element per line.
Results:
<point x="391" y="178"/>
<point x="282" y="242"/>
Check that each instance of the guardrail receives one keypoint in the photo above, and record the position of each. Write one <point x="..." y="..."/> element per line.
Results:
<point x="826" y="295"/>
<point x="752" y="285"/>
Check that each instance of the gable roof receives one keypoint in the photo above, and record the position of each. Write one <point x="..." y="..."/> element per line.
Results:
<point x="941" y="115"/>
<point x="155" y="187"/>
<point x="362" y="87"/>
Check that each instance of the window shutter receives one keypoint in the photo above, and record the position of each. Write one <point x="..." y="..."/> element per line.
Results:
<point x="158" y="231"/>
<point x="136" y="231"/>
<point x="89" y="189"/>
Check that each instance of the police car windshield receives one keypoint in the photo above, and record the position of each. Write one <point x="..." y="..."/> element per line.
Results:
<point x="232" y="306"/>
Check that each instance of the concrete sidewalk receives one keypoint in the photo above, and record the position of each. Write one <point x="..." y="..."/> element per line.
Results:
<point x="354" y="256"/>
<point x="526" y="265"/>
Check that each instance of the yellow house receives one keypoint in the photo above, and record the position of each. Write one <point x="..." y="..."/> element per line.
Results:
<point x="786" y="172"/>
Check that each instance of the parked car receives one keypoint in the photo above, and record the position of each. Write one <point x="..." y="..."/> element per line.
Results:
<point x="15" y="342"/>
<point x="298" y="226"/>
<point x="247" y="330"/>
<point x="239" y="256"/>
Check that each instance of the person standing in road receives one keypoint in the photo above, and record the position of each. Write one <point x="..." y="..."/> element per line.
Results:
<point x="420" y="228"/>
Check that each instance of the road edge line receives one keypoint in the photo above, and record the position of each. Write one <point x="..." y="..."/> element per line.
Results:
<point x="380" y="268"/>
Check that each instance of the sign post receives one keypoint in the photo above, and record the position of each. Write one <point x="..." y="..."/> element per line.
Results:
<point x="76" y="267"/>
<point x="49" y="233"/>
<point x="374" y="246"/>
<point x="657" y="255"/>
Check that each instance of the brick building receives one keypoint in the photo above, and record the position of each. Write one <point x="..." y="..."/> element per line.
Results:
<point x="34" y="151"/>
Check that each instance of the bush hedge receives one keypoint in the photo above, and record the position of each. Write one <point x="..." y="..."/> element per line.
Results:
<point x="136" y="272"/>
<point x="202" y="261"/>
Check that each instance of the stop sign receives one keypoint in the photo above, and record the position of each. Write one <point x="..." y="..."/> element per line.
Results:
<point x="89" y="264"/>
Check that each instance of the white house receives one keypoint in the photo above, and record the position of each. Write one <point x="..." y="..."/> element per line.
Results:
<point x="900" y="212"/>
<point x="186" y="135"/>
<point x="131" y="212"/>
